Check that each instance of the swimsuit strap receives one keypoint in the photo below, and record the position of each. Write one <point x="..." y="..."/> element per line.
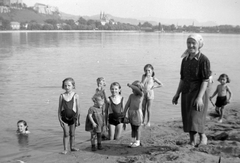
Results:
<point x="71" y="98"/>
<point x="117" y="104"/>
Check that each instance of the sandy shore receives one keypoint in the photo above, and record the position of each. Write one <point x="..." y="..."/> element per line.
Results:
<point x="162" y="142"/>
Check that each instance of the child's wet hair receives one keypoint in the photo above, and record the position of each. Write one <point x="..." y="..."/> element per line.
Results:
<point x="224" y="76"/>
<point x="149" y="66"/>
<point x="68" y="79"/>
<point x="96" y="95"/>
<point x="116" y="84"/>
<point x="24" y="123"/>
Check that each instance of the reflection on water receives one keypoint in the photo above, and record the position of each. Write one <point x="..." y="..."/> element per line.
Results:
<point x="22" y="140"/>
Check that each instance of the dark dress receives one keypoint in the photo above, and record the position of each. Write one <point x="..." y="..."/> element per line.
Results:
<point x="98" y="117"/>
<point x="193" y="73"/>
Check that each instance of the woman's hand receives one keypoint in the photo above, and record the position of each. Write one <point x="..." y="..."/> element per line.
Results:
<point x="175" y="99"/>
<point x="199" y="104"/>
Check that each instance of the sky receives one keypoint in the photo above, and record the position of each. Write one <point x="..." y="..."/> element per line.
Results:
<point x="218" y="11"/>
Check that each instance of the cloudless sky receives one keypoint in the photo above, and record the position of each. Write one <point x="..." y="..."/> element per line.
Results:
<point x="219" y="11"/>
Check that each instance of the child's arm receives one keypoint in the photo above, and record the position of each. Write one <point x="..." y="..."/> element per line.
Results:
<point x="215" y="92"/>
<point x="159" y="83"/>
<point x="230" y="94"/>
<point x="91" y="119"/>
<point x="135" y="88"/>
<point x="127" y="106"/>
<point x="77" y="110"/>
<point x="59" y="111"/>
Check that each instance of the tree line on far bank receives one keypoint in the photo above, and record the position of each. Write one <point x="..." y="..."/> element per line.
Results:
<point x="83" y="24"/>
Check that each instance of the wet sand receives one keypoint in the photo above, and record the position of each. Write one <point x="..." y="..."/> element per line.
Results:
<point x="162" y="142"/>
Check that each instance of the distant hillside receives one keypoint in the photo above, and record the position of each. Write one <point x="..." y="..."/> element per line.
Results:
<point x="26" y="15"/>
<point x="116" y="19"/>
<point x="153" y="21"/>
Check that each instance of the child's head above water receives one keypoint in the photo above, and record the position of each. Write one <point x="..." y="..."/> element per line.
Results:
<point x="224" y="76"/>
<point x="68" y="80"/>
<point x="115" y="87"/>
<point x="101" y="82"/>
<point x="98" y="99"/>
<point x="22" y="127"/>
<point x="149" y="70"/>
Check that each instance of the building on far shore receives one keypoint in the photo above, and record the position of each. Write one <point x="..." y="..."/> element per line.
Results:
<point x="9" y="2"/>
<point x="15" y="25"/>
<point x="45" y="9"/>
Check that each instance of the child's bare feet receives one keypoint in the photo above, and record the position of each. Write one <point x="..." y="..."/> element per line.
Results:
<point x="64" y="152"/>
<point x="74" y="149"/>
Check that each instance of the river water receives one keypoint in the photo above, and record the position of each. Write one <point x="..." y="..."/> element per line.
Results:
<point x="33" y="65"/>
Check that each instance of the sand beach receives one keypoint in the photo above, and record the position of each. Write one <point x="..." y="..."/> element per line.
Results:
<point x="162" y="142"/>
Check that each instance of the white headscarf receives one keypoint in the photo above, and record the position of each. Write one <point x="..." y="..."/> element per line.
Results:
<point x="198" y="38"/>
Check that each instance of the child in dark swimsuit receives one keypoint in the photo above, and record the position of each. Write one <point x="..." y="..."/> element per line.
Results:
<point x="68" y="113"/>
<point x="115" y="113"/>
<point x="222" y="99"/>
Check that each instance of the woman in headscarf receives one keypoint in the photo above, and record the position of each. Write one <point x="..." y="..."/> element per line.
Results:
<point x="194" y="76"/>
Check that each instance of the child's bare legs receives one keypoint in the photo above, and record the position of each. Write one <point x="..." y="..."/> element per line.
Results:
<point x="148" y="108"/>
<point x="111" y="131"/>
<point x="221" y="112"/>
<point x="217" y="110"/>
<point x="72" y="137"/>
<point x="99" y="141"/>
<point x="93" y="138"/>
<point x="115" y="131"/>
<point x="144" y="108"/>
<point x="118" y="131"/>
<point x="133" y="134"/>
<point x="65" y="137"/>
<point x="136" y="136"/>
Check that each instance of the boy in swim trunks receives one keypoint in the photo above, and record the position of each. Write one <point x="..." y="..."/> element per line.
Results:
<point x="222" y="99"/>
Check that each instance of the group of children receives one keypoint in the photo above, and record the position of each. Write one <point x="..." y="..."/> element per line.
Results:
<point x="111" y="114"/>
<point x="108" y="114"/>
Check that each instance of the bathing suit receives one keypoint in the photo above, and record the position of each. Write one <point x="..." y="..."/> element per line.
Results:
<point x="221" y="101"/>
<point x="67" y="114"/>
<point x="148" y="92"/>
<point x="117" y="115"/>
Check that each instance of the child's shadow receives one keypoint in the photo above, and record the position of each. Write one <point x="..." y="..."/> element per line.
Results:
<point x="118" y="148"/>
<point x="213" y="114"/>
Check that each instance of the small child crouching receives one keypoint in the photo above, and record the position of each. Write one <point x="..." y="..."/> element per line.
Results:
<point x="95" y="120"/>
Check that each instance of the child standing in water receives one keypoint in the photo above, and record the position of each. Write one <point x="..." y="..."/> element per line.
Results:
<point x="115" y="113"/>
<point x="101" y="84"/>
<point x="149" y="83"/>
<point x="22" y="127"/>
<point x="68" y="113"/>
<point x="221" y="91"/>
<point x="134" y="108"/>
<point x="95" y="121"/>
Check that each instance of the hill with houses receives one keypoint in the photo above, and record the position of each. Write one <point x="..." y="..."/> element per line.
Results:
<point x="15" y="14"/>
